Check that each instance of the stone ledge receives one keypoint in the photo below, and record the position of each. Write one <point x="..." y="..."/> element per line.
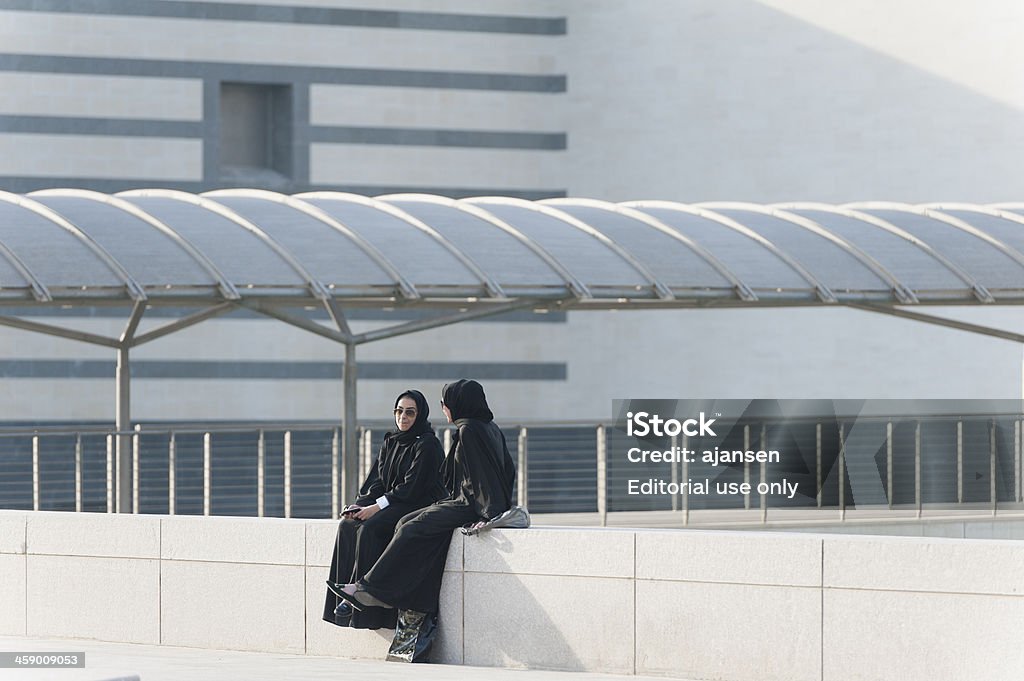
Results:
<point x="661" y="602"/>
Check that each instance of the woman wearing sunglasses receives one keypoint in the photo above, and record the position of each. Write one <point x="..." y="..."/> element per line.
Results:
<point x="404" y="478"/>
<point x="478" y="473"/>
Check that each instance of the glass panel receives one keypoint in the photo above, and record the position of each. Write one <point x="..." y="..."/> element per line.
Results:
<point x="151" y="257"/>
<point x="754" y="264"/>
<point x="837" y="268"/>
<point x="10" y="278"/>
<point x="238" y="253"/>
<point x="588" y="259"/>
<point x="420" y="258"/>
<point x="910" y="264"/>
<point x="327" y="254"/>
<point x="991" y="268"/>
<point x="507" y="260"/>
<point x="673" y="262"/>
<point x="55" y="255"/>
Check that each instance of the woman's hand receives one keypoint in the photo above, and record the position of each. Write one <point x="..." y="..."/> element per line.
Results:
<point x="366" y="512"/>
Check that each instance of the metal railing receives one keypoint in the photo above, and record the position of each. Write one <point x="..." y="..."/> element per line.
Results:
<point x="293" y="470"/>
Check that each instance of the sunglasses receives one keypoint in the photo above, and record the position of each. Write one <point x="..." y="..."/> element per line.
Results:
<point x="411" y="412"/>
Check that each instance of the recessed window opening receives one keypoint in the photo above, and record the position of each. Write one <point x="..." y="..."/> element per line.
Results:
<point x="255" y="133"/>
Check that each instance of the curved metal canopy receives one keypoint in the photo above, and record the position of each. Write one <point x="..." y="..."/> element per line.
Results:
<point x="69" y="247"/>
<point x="471" y="258"/>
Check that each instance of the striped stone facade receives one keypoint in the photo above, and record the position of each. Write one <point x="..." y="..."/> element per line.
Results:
<point x="765" y="101"/>
<point x="445" y="97"/>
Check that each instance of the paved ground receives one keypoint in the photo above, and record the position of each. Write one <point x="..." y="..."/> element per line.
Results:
<point x="107" y="661"/>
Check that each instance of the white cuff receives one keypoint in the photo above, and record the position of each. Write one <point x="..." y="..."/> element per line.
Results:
<point x="382" y="502"/>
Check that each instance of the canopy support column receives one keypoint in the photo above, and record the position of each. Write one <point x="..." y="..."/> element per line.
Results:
<point x="123" y="424"/>
<point x="126" y="498"/>
<point x="350" y="441"/>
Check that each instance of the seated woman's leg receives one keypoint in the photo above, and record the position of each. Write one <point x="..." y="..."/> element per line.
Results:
<point x="342" y="562"/>
<point x="372" y="537"/>
<point x="356" y="548"/>
<point x="408" y="574"/>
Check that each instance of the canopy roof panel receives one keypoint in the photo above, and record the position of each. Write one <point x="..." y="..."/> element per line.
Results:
<point x="240" y="254"/>
<point x="993" y="263"/>
<point x="573" y="243"/>
<point x="668" y="256"/>
<point x="71" y="247"/>
<point x="824" y="254"/>
<point x="753" y="259"/>
<point x="499" y="250"/>
<point x="130" y="237"/>
<point x="415" y="248"/>
<point x="896" y="250"/>
<point x="318" y="247"/>
<point x="56" y="251"/>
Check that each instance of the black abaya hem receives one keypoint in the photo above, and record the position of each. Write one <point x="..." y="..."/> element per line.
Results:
<point x="408" y="574"/>
<point x="358" y="544"/>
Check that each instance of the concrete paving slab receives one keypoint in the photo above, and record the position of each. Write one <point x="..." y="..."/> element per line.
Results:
<point x="106" y="661"/>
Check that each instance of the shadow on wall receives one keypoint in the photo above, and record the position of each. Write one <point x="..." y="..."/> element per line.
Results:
<point x="730" y="99"/>
<point x="506" y="624"/>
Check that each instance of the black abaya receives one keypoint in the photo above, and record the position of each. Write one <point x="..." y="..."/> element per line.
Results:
<point x="479" y="475"/>
<point x="406" y="472"/>
<point x="359" y="543"/>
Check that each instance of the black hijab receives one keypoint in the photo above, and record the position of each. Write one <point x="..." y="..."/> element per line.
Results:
<point x="465" y="399"/>
<point x="421" y="425"/>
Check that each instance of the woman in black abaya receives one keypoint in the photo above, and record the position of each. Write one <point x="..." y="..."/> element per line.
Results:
<point x="405" y="477"/>
<point x="478" y="473"/>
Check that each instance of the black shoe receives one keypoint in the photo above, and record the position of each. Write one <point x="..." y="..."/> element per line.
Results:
<point x="337" y="588"/>
<point x="361" y="599"/>
<point x="343" y="614"/>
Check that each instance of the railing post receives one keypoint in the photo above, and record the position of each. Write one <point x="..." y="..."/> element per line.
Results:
<point x="110" y="473"/>
<point x="288" y="474"/>
<point x="135" y="468"/>
<point x="172" y="455"/>
<point x="207" y="461"/>
<point x="817" y="455"/>
<point x="335" y="471"/>
<point x="1017" y="461"/>
<point x="959" y="462"/>
<point x="365" y="452"/>
<point x="686" y="487"/>
<point x="602" y="474"/>
<point x="674" y="444"/>
<point x="261" y="473"/>
<point x="764" y="474"/>
<point x="35" y="472"/>
<point x="917" y="467"/>
<point x="746" y="466"/>
<point x="78" y="472"/>
<point x="521" y="470"/>
<point x="888" y="462"/>
<point x="992" y="468"/>
<point x="842" y="471"/>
